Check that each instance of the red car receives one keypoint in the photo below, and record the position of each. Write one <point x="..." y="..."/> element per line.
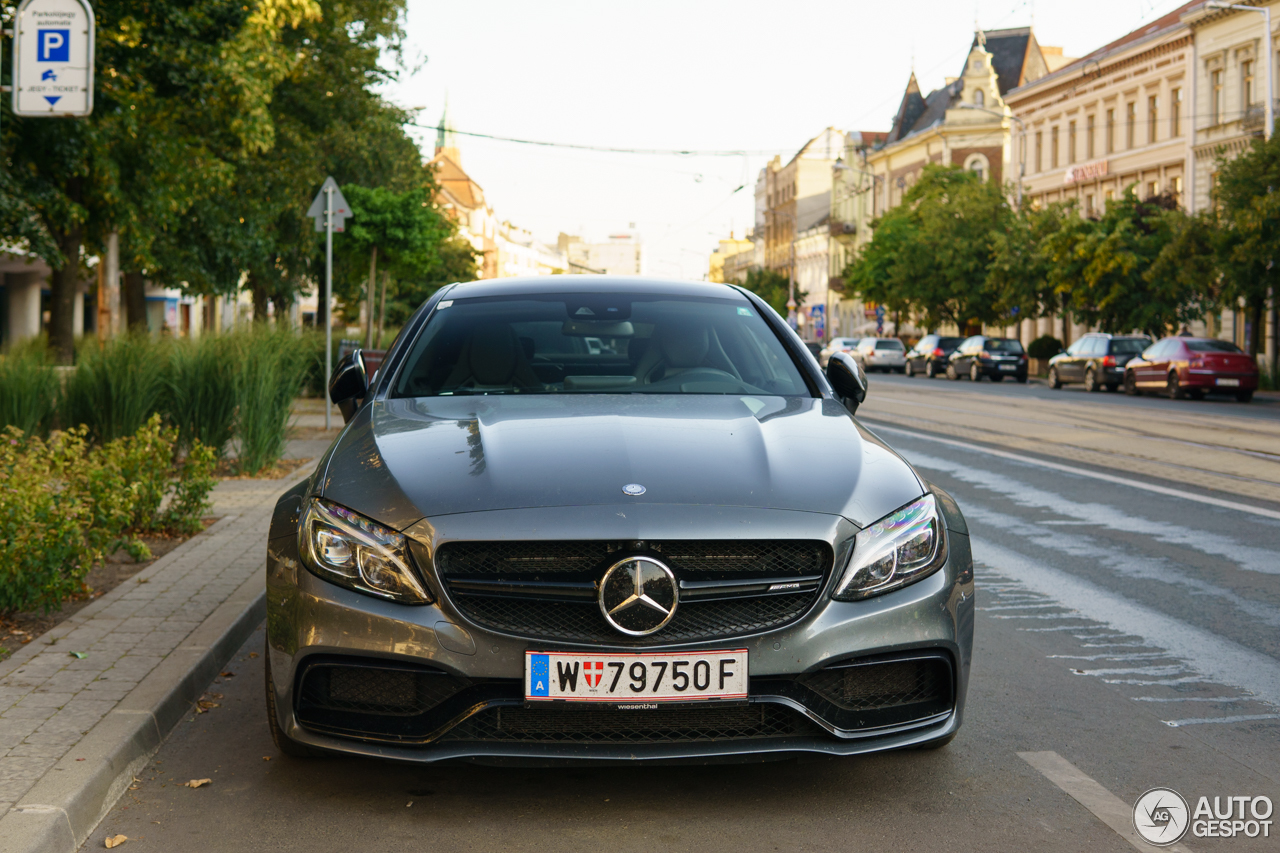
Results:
<point x="1192" y="367"/>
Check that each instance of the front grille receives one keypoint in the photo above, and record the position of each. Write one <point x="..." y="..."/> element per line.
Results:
<point x="606" y="726"/>
<point x="890" y="684"/>
<point x="577" y="618"/>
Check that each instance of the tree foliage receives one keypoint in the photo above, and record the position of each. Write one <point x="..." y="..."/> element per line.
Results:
<point x="930" y="255"/>
<point x="773" y="287"/>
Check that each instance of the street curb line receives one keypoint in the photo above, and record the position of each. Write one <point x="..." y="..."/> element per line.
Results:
<point x="61" y="810"/>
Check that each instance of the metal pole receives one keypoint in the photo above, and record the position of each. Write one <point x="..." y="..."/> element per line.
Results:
<point x="1271" y="61"/>
<point x="328" y="303"/>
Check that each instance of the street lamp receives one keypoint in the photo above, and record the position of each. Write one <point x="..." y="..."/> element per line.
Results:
<point x="1022" y="130"/>
<point x="1270" y="116"/>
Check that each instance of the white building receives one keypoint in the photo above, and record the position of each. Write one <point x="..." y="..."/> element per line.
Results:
<point x="622" y="255"/>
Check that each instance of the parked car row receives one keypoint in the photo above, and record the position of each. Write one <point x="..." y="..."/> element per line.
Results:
<point x="871" y="354"/>
<point x="974" y="357"/>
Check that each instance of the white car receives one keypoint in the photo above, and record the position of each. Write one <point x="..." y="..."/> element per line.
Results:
<point x="836" y="345"/>
<point x="887" y="354"/>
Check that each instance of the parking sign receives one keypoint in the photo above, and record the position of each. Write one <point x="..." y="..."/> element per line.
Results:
<point x="53" y="58"/>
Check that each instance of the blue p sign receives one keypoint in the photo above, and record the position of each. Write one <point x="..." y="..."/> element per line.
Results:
<point x="53" y="45"/>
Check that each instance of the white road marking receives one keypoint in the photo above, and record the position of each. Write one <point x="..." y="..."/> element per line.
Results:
<point x="1106" y="806"/>
<point x="1244" y="718"/>
<point x="1190" y="698"/>
<point x="1084" y="472"/>
<point x="1213" y="657"/>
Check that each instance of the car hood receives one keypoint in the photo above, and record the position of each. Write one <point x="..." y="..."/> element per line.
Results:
<point x="402" y="460"/>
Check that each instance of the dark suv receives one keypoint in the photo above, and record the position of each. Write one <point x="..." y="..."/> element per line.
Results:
<point x="981" y="356"/>
<point x="929" y="356"/>
<point x="1097" y="360"/>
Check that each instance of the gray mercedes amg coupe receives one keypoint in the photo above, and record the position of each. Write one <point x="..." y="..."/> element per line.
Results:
<point x="599" y="518"/>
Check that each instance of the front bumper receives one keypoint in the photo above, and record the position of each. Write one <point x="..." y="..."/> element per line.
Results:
<point x="311" y="621"/>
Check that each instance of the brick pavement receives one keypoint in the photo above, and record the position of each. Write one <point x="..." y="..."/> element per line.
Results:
<point x="49" y="699"/>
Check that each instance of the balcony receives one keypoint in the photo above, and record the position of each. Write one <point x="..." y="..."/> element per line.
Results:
<point x="840" y="230"/>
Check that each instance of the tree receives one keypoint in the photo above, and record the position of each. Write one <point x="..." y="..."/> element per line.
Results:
<point x="1106" y="268"/>
<point x="773" y="287"/>
<point x="1248" y="218"/>
<point x="930" y="255"/>
<point x="1021" y="272"/>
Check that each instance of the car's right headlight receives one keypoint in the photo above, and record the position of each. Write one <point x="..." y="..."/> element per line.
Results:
<point x="906" y="545"/>
<point x="345" y="548"/>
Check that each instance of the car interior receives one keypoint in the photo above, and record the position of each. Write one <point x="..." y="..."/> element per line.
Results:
<point x="606" y="343"/>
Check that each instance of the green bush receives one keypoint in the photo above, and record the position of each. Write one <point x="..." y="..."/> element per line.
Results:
<point x="30" y="392"/>
<point x="117" y="387"/>
<point x="200" y="397"/>
<point x="64" y="504"/>
<point x="270" y="376"/>
<point x="1045" y="347"/>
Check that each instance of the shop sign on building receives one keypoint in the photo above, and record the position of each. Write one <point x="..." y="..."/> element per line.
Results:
<point x="1085" y="172"/>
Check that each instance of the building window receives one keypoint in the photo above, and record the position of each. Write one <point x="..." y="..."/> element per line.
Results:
<point x="1175" y="112"/>
<point x="1215" y="103"/>
<point x="1039" y="150"/>
<point x="977" y="163"/>
<point x="1130" y="122"/>
<point x="1088" y="205"/>
<point x="978" y="98"/>
<point x="1153" y="189"/>
<point x="1053" y="147"/>
<point x="1246" y="81"/>
<point x="1176" y="187"/>
<point x="1109" y="196"/>
<point x="1153" y="113"/>
<point x="1111" y="131"/>
<point x="1071" y="142"/>
<point x="1088" y="137"/>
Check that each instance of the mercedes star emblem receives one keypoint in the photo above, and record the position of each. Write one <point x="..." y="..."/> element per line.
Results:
<point x="633" y="489"/>
<point x="638" y="595"/>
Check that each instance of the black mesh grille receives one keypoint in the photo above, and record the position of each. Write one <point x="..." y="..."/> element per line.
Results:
<point x="889" y="684"/>
<point x="577" y="561"/>
<point x="365" y="689"/>
<point x="606" y="726"/>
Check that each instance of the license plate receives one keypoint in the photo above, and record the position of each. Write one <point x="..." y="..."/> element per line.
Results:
<point x="635" y="679"/>
<point x="1228" y="383"/>
<point x="1008" y="367"/>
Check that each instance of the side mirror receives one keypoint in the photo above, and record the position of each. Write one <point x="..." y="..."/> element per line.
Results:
<point x="847" y="380"/>
<point x="349" y="384"/>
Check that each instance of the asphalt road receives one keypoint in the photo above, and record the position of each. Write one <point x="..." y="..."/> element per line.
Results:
<point x="1127" y="625"/>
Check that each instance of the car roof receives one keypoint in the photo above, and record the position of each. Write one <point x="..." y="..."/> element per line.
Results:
<point x="520" y="285"/>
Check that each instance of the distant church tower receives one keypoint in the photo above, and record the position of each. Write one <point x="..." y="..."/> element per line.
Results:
<point x="446" y="138"/>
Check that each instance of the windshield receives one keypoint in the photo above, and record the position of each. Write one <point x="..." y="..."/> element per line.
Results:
<point x="604" y="343"/>
<point x="1128" y="346"/>
<point x="1003" y="345"/>
<point x="1212" y="346"/>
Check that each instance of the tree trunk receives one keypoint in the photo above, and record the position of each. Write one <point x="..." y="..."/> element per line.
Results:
<point x="1255" y="333"/>
<point x="382" y="311"/>
<point x="135" y="301"/>
<point x="260" y="297"/>
<point x="322" y="308"/>
<point x="62" y="309"/>
<point x="282" y="306"/>
<point x="370" y="291"/>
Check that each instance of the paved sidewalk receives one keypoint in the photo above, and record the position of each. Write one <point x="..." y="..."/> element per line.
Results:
<point x="50" y="698"/>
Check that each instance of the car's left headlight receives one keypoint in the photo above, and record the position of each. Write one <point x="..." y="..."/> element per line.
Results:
<point x="901" y="548"/>
<point x="345" y="548"/>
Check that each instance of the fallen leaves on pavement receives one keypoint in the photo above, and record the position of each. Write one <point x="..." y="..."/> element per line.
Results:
<point x="115" y="840"/>
<point x="196" y="783"/>
<point x="78" y="655"/>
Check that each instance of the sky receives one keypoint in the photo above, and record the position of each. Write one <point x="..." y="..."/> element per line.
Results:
<point x="697" y="76"/>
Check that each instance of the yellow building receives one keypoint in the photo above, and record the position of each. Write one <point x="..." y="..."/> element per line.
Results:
<point x="728" y="249"/>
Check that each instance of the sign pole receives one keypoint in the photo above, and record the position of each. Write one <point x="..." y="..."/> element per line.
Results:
<point x="328" y="303"/>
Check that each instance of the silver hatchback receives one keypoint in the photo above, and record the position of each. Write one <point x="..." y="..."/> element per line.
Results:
<point x="884" y="354"/>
